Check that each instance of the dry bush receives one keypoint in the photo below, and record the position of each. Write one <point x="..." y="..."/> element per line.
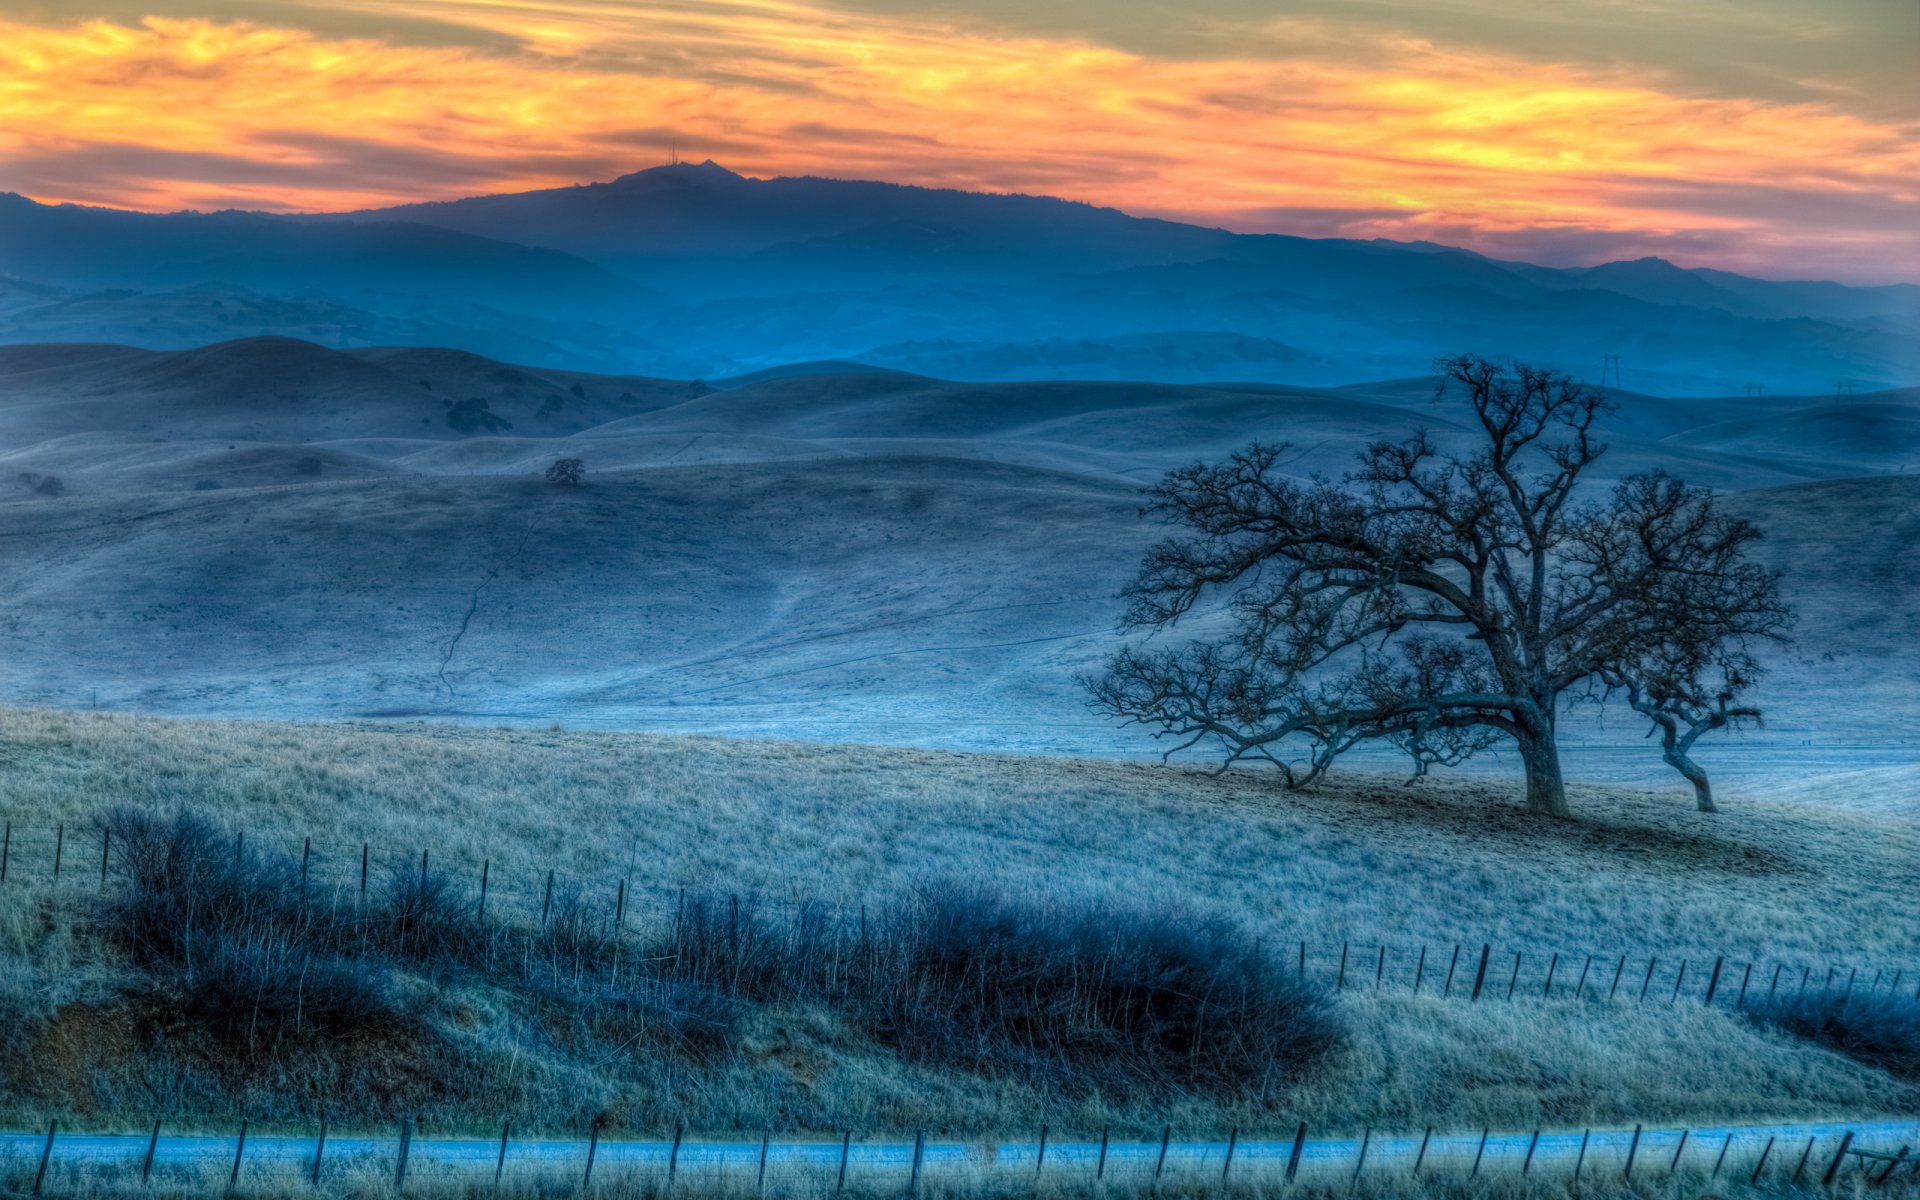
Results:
<point x="1881" y="1029"/>
<point x="1097" y="997"/>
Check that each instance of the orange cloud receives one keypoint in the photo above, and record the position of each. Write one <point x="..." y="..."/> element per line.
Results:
<point x="1304" y="129"/>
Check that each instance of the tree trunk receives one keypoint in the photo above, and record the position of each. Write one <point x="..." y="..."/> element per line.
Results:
<point x="1546" y="790"/>
<point x="1702" y="790"/>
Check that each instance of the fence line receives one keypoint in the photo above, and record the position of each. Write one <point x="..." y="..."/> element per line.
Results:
<point x="1827" y="1152"/>
<point x="83" y="858"/>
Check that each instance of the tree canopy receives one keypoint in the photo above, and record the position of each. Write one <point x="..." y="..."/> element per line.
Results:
<point x="1442" y="601"/>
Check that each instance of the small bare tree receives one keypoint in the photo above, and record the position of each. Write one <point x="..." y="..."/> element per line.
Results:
<point x="567" y="471"/>
<point x="1440" y="602"/>
<point x="1684" y="693"/>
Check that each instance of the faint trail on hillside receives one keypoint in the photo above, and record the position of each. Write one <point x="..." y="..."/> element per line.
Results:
<point x="473" y="606"/>
<point x="721" y="687"/>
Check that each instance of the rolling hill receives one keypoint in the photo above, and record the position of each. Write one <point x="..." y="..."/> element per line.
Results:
<point x="275" y="528"/>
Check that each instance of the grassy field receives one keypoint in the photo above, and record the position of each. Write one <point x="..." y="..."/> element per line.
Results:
<point x="1365" y="860"/>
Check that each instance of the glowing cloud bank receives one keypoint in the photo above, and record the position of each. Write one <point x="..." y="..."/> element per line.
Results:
<point x="1307" y="127"/>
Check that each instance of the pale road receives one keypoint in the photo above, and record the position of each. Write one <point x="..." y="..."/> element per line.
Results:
<point x="1729" y="1149"/>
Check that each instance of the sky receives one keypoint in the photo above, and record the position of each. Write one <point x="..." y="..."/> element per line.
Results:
<point x="1772" y="137"/>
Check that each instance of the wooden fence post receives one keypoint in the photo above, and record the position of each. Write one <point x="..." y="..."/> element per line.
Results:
<point x="1582" y="985"/>
<point x="1420" y="971"/>
<point x="1166" y="1139"/>
<point x="6" y="850"/>
<point x="59" y="844"/>
<point x="1677" y="981"/>
<point x="1801" y="1169"/>
<point x="1299" y="1145"/>
<point x="1721" y="1161"/>
<point x="1303" y="959"/>
<point x="319" y="1151"/>
<point x="546" y="905"/>
<point x="760" y="1180"/>
<point x="1380" y="968"/>
<point x="1713" y="983"/>
<point x="239" y="1152"/>
<point x="486" y="867"/>
<point x="500" y="1165"/>
<point x="153" y="1147"/>
<point x="1360" y="1162"/>
<point x="1775" y="986"/>
<point x="1040" y="1159"/>
<point x="1100" y="1170"/>
<point x="673" y="1155"/>
<point x="400" y="1158"/>
<point x="1480" y="1153"/>
<point x="1839" y="1156"/>
<point x="1646" y="983"/>
<point x="1448" y="990"/>
<point x="1516" y="975"/>
<point x="846" y="1146"/>
<point x="1532" y="1145"/>
<point x="46" y="1156"/>
<point x="1233" y="1139"/>
<point x="593" y="1149"/>
<point x="1761" y="1165"/>
<point x="106" y="843"/>
<point x="1899" y="1160"/>
<point x="1677" y="1152"/>
<point x="1585" y="1137"/>
<point x="919" y="1151"/>
<point x="1341" y="982"/>
<point x="1852" y="974"/>
<point x="306" y="855"/>
<point x="1633" y="1148"/>
<point x="1422" y="1156"/>
<point x="1746" y="977"/>
<point x="423" y="868"/>
<point x="1617" y="971"/>
<point x="1479" y="979"/>
<point x="1552" y="966"/>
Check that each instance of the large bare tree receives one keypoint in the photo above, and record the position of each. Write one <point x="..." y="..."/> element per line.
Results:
<point x="1441" y="602"/>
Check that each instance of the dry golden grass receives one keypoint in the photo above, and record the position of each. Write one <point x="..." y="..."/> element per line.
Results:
<point x="1365" y="859"/>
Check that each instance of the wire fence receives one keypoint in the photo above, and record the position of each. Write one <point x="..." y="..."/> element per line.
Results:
<point x="82" y="858"/>
<point x="1790" y="1154"/>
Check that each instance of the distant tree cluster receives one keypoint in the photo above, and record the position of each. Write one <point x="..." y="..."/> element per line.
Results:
<point x="43" y="485"/>
<point x="567" y="472"/>
<point x="1445" y="602"/>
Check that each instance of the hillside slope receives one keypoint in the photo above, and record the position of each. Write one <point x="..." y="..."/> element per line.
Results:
<point x="275" y="528"/>
<point x="1369" y="869"/>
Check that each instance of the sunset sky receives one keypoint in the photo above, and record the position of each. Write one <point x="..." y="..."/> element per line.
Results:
<point x="1777" y="138"/>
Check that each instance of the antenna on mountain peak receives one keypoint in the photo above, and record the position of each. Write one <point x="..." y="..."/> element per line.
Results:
<point x="673" y="154"/>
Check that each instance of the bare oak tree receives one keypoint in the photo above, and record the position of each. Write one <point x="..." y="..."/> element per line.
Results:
<point x="1441" y="602"/>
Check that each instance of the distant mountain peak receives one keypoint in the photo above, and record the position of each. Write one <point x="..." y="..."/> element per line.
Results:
<point x="708" y="171"/>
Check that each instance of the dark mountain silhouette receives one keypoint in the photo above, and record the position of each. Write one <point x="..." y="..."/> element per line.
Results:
<point x="80" y="247"/>
<point x="692" y="270"/>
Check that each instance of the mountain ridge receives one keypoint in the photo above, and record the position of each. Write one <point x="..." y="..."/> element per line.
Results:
<point x="693" y="270"/>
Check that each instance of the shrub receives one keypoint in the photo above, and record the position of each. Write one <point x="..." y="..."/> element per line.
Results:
<point x="1097" y="997"/>
<point x="1880" y="1029"/>
<point x="233" y="953"/>
<point x="1088" y="997"/>
<point x="568" y="471"/>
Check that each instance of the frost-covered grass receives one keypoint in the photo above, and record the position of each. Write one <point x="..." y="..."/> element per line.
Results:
<point x="1362" y="859"/>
